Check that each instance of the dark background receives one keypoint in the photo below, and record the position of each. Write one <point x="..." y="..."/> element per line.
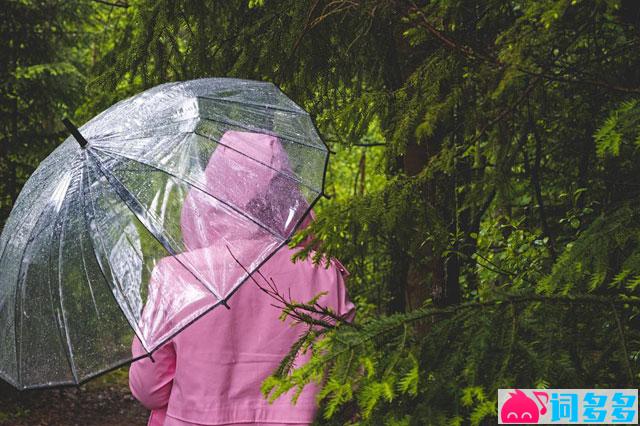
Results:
<point x="485" y="190"/>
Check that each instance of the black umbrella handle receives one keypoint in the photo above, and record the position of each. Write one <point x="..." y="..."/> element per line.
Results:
<point x="75" y="132"/>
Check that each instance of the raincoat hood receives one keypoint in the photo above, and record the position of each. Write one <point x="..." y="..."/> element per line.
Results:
<point x="248" y="173"/>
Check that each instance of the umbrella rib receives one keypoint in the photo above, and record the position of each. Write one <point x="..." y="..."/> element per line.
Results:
<point x="138" y="254"/>
<point x="194" y="185"/>
<point x="69" y="351"/>
<point x="255" y="129"/>
<point x="2" y="253"/>
<point x="280" y="172"/>
<point x="142" y="131"/>
<point x="17" y="311"/>
<point x="123" y="194"/>
<point x="253" y="104"/>
<point x="135" y="137"/>
<point x="100" y="266"/>
<point x="86" y="274"/>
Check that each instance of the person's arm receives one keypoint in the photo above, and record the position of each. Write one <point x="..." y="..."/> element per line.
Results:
<point x="151" y="381"/>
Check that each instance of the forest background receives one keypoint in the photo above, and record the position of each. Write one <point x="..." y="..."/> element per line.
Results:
<point x="483" y="178"/>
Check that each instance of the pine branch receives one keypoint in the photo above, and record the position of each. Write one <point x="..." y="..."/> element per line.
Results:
<point x="392" y="322"/>
<point x="471" y="53"/>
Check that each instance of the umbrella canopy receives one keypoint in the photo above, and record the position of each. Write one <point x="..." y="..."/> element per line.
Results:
<point x="202" y="180"/>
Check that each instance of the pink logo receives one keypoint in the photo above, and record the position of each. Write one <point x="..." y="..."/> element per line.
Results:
<point x="519" y="408"/>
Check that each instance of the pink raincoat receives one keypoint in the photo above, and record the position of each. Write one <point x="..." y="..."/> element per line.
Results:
<point x="211" y="372"/>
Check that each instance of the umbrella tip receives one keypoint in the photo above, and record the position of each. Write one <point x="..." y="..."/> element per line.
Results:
<point x="224" y="303"/>
<point x="75" y="132"/>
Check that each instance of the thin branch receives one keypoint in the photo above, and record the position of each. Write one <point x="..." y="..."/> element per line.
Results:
<point x="586" y="82"/>
<point x="623" y="342"/>
<point x="510" y="109"/>
<point x="449" y="42"/>
<point x="116" y="4"/>
<point x="537" y="187"/>
<point x="301" y="312"/>
<point x="370" y="144"/>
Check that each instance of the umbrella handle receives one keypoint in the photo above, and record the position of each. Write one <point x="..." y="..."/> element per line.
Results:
<point x="75" y="132"/>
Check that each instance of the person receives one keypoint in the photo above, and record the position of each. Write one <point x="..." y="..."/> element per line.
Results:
<point x="210" y="373"/>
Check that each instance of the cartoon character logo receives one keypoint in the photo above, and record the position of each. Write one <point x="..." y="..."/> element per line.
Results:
<point x="519" y="408"/>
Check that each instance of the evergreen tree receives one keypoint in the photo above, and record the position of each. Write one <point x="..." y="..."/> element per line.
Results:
<point x="484" y="185"/>
<point x="40" y="83"/>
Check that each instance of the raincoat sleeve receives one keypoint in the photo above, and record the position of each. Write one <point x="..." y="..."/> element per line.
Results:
<point x="151" y="381"/>
<point x="345" y="307"/>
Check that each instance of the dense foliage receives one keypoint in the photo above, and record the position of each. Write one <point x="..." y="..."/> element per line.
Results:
<point x="484" y="184"/>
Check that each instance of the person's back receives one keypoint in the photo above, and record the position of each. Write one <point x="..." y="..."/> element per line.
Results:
<point x="211" y="373"/>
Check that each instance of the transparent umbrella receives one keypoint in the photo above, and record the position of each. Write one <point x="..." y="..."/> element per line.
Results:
<point x="100" y="215"/>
